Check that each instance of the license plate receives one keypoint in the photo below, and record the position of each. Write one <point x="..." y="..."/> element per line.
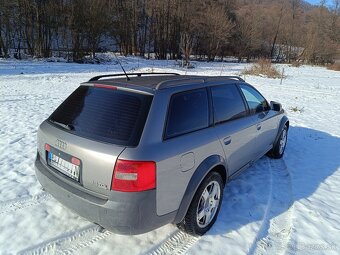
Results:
<point x="63" y="166"/>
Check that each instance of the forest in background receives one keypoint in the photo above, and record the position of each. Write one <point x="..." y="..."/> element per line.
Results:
<point x="281" y="30"/>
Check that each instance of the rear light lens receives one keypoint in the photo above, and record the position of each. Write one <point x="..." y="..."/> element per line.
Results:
<point x="105" y="86"/>
<point x="47" y="147"/>
<point x="134" y="176"/>
<point x="75" y="161"/>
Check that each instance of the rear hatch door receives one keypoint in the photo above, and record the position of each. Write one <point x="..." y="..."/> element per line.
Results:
<point x="82" y="139"/>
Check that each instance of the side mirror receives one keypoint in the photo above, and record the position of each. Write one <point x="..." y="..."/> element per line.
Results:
<point x="275" y="106"/>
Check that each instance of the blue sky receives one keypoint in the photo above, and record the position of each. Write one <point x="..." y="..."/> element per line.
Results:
<point x="316" y="1"/>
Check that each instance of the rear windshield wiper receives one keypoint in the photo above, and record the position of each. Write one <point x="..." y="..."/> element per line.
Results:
<point x="65" y="126"/>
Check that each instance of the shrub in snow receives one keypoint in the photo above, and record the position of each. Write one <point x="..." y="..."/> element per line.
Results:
<point x="263" y="67"/>
<point x="335" y="67"/>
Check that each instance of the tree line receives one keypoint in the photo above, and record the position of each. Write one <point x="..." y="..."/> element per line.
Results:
<point x="283" y="30"/>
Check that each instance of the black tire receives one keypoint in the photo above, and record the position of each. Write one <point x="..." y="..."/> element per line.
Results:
<point x="190" y="223"/>
<point x="277" y="151"/>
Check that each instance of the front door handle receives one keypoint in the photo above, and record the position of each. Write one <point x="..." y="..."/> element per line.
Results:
<point x="258" y="127"/>
<point x="227" y="140"/>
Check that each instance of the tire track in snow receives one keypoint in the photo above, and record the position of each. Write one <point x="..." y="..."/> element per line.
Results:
<point x="25" y="99"/>
<point x="69" y="243"/>
<point x="21" y="203"/>
<point x="17" y="139"/>
<point x="178" y="243"/>
<point x="274" y="233"/>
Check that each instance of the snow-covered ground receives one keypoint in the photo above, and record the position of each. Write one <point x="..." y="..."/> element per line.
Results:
<point x="287" y="206"/>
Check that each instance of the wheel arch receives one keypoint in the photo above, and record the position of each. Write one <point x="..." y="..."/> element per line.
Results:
<point x="212" y="163"/>
<point x="283" y="122"/>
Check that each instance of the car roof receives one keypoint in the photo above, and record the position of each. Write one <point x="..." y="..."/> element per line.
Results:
<point x="157" y="81"/>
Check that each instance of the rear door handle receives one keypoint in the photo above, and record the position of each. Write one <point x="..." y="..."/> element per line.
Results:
<point x="227" y="140"/>
<point x="258" y="127"/>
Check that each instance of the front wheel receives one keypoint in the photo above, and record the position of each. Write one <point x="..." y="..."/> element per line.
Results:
<point x="204" y="207"/>
<point x="280" y="146"/>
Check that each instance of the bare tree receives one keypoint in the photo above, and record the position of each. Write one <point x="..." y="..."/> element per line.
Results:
<point x="171" y="28"/>
<point x="218" y="28"/>
<point x="95" y="23"/>
<point x="186" y="47"/>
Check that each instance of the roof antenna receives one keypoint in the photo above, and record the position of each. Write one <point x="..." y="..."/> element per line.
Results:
<point x="127" y="77"/>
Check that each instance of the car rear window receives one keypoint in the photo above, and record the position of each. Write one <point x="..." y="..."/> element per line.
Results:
<point x="104" y="114"/>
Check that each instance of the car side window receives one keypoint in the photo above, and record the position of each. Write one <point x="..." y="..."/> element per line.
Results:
<point x="228" y="103"/>
<point x="188" y="112"/>
<point x="256" y="102"/>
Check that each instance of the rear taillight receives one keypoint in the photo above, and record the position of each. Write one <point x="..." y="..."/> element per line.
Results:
<point x="105" y="86"/>
<point x="47" y="147"/>
<point x="134" y="176"/>
<point x="75" y="161"/>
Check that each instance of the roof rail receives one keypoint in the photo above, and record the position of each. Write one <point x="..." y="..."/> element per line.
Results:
<point x="96" y="78"/>
<point x="236" y="77"/>
<point x="166" y="84"/>
<point x="226" y="77"/>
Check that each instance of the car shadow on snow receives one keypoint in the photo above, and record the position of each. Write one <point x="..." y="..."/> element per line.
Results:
<point x="271" y="186"/>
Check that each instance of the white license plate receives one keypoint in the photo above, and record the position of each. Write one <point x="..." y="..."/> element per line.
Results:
<point x="63" y="166"/>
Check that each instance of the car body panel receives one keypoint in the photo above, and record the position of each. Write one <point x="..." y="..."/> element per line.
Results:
<point x="120" y="212"/>
<point x="182" y="162"/>
<point x="238" y="139"/>
<point x="198" y="176"/>
<point x="98" y="159"/>
<point x="173" y="175"/>
<point x="267" y="124"/>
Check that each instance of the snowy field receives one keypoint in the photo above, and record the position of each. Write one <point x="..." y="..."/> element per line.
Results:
<point x="287" y="206"/>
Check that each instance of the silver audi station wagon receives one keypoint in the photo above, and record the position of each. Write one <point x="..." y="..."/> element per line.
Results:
<point x="135" y="153"/>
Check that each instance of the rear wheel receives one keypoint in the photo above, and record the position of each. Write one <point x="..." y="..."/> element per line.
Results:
<point x="204" y="207"/>
<point x="280" y="146"/>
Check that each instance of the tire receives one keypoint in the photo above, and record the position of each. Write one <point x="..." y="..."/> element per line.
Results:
<point x="280" y="146"/>
<point x="204" y="207"/>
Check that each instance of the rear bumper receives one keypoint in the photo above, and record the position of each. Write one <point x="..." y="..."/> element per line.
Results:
<point x="127" y="213"/>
